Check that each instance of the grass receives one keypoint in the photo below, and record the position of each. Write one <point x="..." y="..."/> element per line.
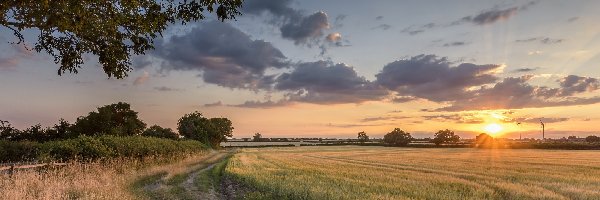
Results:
<point x="112" y="179"/>
<point x="408" y="173"/>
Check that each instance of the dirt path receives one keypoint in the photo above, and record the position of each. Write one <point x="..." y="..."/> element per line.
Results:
<point x="186" y="181"/>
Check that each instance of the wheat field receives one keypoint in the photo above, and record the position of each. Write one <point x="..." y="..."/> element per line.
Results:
<point x="407" y="173"/>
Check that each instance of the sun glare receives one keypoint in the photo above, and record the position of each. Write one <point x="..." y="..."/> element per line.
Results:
<point x="493" y="128"/>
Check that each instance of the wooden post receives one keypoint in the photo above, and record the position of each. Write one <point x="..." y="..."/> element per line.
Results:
<point x="11" y="170"/>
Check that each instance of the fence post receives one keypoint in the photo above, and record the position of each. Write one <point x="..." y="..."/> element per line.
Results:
<point x="11" y="170"/>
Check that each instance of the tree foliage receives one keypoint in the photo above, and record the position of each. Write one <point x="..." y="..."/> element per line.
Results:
<point x="397" y="138"/>
<point x="37" y="133"/>
<point x="113" y="30"/>
<point x="362" y="137"/>
<point x="208" y="131"/>
<point x="445" y="136"/>
<point x="592" y="139"/>
<point x="484" y="139"/>
<point x="114" y="119"/>
<point x="160" y="132"/>
<point x="257" y="137"/>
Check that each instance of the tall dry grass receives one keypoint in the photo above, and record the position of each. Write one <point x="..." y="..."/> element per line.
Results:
<point x="97" y="180"/>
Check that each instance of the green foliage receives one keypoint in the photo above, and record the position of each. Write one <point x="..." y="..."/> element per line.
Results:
<point x="363" y="137"/>
<point x="114" y="119"/>
<point x="397" y="138"/>
<point x="592" y="139"/>
<point x="87" y="148"/>
<point x="160" y="132"/>
<point x="37" y="132"/>
<point x="208" y="131"/>
<point x="111" y="30"/>
<point x="445" y="136"/>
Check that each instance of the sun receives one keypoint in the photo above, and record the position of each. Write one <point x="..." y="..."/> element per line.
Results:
<point x="493" y="128"/>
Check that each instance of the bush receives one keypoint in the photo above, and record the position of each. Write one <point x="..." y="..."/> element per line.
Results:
<point x="86" y="148"/>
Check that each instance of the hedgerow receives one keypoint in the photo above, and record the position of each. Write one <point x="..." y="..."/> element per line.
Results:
<point x="86" y="148"/>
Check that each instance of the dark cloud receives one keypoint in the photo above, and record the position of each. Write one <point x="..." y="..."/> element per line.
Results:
<point x="327" y="83"/>
<point x="226" y="56"/>
<point x="403" y="99"/>
<point x="525" y="69"/>
<point x="433" y="78"/>
<point x="515" y="92"/>
<point x="456" y="118"/>
<point x="305" y="29"/>
<point x="572" y="19"/>
<point x="494" y="15"/>
<point x="383" y="27"/>
<point x="379" y="18"/>
<point x="166" y="89"/>
<point x="263" y="104"/>
<point x="215" y="104"/>
<point x="543" y="40"/>
<point x="293" y="24"/>
<point x="453" y="44"/>
<point x="576" y="84"/>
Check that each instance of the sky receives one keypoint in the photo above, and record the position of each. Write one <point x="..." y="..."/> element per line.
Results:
<point x="310" y="68"/>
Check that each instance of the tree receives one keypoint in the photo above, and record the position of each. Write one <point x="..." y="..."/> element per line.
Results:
<point x="592" y="139"/>
<point x="363" y="137"/>
<point x="397" y="138"/>
<point x="160" y="132"/>
<point x="445" y="136"/>
<point x="257" y="137"/>
<point x="114" y="119"/>
<point x="111" y="29"/>
<point x="223" y="128"/>
<point x="208" y="131"/>
<point x="484" y="139"/>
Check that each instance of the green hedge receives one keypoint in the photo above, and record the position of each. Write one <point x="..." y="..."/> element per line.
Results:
<point x="86" y="148"/>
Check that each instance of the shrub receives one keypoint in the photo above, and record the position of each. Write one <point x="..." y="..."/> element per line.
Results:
<point x="86" y="148"/>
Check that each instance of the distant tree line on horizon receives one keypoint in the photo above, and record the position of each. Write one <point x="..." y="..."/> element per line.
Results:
<point x="119" y="119"/>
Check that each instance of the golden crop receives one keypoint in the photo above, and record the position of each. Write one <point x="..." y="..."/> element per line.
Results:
<point x="410" y="173"/>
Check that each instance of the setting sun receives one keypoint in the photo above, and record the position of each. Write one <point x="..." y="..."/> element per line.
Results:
<point x="493" y="128"/>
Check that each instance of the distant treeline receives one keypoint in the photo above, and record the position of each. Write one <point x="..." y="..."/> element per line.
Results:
<point x="112" y="131"/>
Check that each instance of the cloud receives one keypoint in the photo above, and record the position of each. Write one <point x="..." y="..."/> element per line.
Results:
<point x="403" y="99"/>
<point x="433" y="78"/>
<point x="576" y="84"/>
<point x="334" y="38"/>
<point x="494" y="15"/>
<point x="384" y="118"/>
<point x="166" y="89"/>
<point x="215" y="104"/>
<point x="141" y="79"/>
<point x="452" y="44"/>
<point x="525" y="69"/>
<point x="383" y="27"/>
<point x="337" y="23"/>
<point x="543" y="40"/>
<point x="515" y="93"/>
<point x="293" y="24"/>
<point x="456" y="118"/>
<point x="572" y="19"/>
<point x="379" y="18"/>
<point x="535" y="53"/>
<point x="305" y="29"/>
<point x="227" y="56"/>
<point x="263" y="104"/>
<point x="537" y="120"/>
<point x="327" y="83"/>
<point x="8" y="63"/>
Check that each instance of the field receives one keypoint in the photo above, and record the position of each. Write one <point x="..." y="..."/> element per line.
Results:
<point x="408" y="173"/>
